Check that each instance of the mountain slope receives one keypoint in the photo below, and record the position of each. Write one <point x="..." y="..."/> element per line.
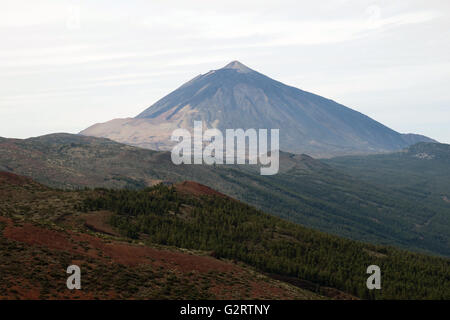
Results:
<point x="237" y="231"/>
<point x="423" y="165"/>
<point x="306" y="191"/>
<point x="42" y="233"/>
<point x="186" y="242"/>
<point x="421" y="171"/>
<point x="238" y="97"/>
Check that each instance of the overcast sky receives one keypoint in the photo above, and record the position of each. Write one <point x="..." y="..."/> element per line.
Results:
<point x="65" y="65"/>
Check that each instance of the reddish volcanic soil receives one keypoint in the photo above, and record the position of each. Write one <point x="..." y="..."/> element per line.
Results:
<point x="197" y="189"/>
<point x="42" y="233"/>
<point x="225" y="280"/>
<point x="123" y="253"/>
<point x="13" y="179"/>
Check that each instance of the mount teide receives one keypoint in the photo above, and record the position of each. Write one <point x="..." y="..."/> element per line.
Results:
<point x="239" y="97"/>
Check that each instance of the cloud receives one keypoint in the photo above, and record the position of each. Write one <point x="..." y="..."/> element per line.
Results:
<point x="22" y="13"/>
<point x="128" y="54"/>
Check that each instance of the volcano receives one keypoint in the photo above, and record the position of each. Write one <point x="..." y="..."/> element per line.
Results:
<point x="236" y="96"/>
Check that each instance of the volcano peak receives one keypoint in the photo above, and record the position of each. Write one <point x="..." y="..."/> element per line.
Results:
<point x="236" y="65"/>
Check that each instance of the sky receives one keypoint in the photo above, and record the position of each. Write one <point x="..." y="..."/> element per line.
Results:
<point x="67" y="64"/>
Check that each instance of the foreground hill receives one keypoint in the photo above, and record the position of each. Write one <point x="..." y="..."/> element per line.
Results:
<point x="306" y="191"/>
<point x="186" y="242"/>
<point x="41" y="234"/>
<point x="238" y="97"/>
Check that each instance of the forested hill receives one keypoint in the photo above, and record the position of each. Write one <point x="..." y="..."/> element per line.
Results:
<point x="421" y="173"/>
<point x="42" y="233"/>
<point x="233" y="230"/>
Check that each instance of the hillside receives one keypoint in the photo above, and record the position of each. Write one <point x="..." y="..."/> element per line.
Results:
<point x="423" y="166"/>
<point x="421" y="171"/>
<point x="233" y="230"/>
<point x="186" y="242"/>
<point x="236" y="96"/>
<point x="42" y="233"/>
<point x="306" y="191"/>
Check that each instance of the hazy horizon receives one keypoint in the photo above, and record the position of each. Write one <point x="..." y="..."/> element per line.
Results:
<point x="69" y="64"/>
